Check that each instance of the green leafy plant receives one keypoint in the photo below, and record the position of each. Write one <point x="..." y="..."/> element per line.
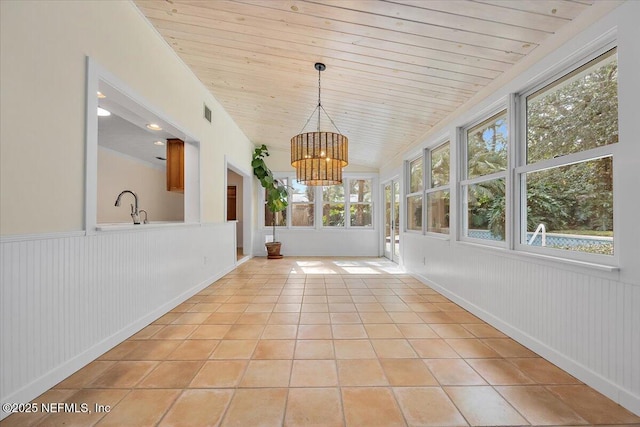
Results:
<point x="276" y="192"/>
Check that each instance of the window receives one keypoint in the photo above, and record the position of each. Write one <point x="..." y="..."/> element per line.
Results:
<point x="333" y="213"/>
<point x="484" y="185"/>
<point x="437" y="195"/>
<point x="567" y="175"/>
<point x="415" y="197"/>
<point x="302" y="205"/>
<point x="279" y="217"/>
<point x="360" y="203"/>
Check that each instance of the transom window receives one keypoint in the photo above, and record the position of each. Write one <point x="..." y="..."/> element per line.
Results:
<point x="437" y="195"/>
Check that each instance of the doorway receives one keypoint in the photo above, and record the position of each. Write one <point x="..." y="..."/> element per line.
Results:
<point x="391" y="235"/>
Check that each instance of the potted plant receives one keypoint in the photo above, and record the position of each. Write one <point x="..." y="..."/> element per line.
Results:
<point x="276" y="195"/>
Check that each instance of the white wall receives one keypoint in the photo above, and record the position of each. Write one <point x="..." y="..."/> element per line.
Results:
<point x="583" y="318"/>
<point x="118" y="172"/>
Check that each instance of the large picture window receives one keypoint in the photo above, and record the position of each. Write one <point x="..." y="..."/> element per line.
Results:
<point x="484" y="183"/>
<point x="567" y="175"/>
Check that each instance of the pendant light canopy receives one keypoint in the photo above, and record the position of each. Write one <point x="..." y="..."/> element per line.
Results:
<point x="319" y="157"/>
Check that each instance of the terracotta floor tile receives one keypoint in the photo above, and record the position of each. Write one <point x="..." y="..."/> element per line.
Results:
<point x="202" y="408"/>
<point x="244" y="332"/>
<point x="267" y="373"/>
<point x="445" y="330"/>
<point x="423" y="307"/>
<point x="539" y="406"/>
<point x="314" y="319"/>
<point x="171" y="374"/>
<point x="483" y="406"/>
<point x="315" y="299"/>
<point x="28" y="419"/>
<point x="593" y="406"/>
<point x="140" y="407"/>
<point x="191" y="318"/>
<point x="364" y="299"/>
<point x="471" y="348"/>
<point x="393" y="348"/>
<point x="371" y="407"/>
<point x="234" y="349"/>
<point x="85" y="375"/>
<point x="314" y="308"/>
<point x="205" y="307"/>
<point x="407" y="372"/>
<point x="436" y="317"/>
<point x="433" y="348"/>
<point x="383" y="330"/>
<point x="453" y="372"/>
<point x="279" y="332"/>
<point x="256" y="407"/>
<point x="405" y="317"/>
<point x="369" y="307"/>
<point x="482" y="330"/>
<point x="166" y="319"/>
<point x="314" y="373"/>
<point x="219" y="373"/>
<point x="343" y="331"/>
<point x="121" y="350"/>
<point x="147" y="332"/>
<point x="499" y="372"/>
<point x="247" y="318"/>
<point x="284" y="319"/>
<point x="314" y="407"/>
<point x="416" y="330"/>
<point x="542" y="371"/>
<point x="428" y="406"/>
<point x="345" y="318"/>
<point x="342" y="307"/>
<point x="207" y="332"/>
<point x="361" y="372"/>
<point x="310" y="332"/>
<point x="264" y="308"/>
<point x="183" y="308"/>
<point x="339" y="299"/>
<point x="222" y="318"/>
<point x="354" y="349"/>
<point x="507" y="347"/>
<point x="264" y="299"/>
<point x="193" y="350"/>
<point x="123" y="374"/>
<point x="314" y="349"/>
<point x="88" y="397"/>
<point x="274" y="349"/>
<point x="373" y="317"/>
<point x="287" y="308"/>
<point x="232" y="308"/>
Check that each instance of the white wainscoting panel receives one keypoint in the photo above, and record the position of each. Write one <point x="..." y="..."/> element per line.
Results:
<point x="583" y="320"/>
<point x="65" y="300"/>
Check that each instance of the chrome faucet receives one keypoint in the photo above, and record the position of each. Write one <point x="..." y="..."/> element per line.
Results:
<point x="146" y="221"/>
<point x="135" y="215"/>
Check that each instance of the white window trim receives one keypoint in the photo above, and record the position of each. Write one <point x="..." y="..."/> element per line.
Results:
<point x="420" y="192"/>
<point x="429" y="189"/>
<point x="521" y="168"/>
<point x="463" y="182"/>
<point x="346" y="182"/>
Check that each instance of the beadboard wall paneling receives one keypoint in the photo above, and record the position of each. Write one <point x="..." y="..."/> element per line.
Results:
<point x="585" y="321"/>
<point x="65" y="300"/>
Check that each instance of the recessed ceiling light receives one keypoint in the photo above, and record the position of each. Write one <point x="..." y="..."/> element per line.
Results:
<point x="153" y="126"/>
<point x="103" y="113"/>
<point x="159" y="143"/>
<point x="101" y="95"/>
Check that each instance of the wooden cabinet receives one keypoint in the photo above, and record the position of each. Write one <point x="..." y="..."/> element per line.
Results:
<point x="175" y="165"/>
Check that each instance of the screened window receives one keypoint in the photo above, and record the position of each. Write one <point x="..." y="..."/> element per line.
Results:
<point x="437" y="195"/>
<point x="360" y="203"/>
<point x="333" y="212"/>
<point x="302" y="205"/>
<point x="415" y="196"/>
<point x="485" y="183"/>
<point x="571" y="126"/>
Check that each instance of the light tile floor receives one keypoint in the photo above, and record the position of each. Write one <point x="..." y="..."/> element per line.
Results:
<point x="319" y="341"/>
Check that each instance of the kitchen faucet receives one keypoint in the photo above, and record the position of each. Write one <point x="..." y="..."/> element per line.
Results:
<point x="146" y="221"/>
<point x="135" y="215"/>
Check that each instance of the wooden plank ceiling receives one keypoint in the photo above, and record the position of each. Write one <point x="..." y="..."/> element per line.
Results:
<point x="394" y="68"/>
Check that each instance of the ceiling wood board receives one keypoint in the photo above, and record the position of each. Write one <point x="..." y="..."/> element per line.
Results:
<point x="395" y="68"/>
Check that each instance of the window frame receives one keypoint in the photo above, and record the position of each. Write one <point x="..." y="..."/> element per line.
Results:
<point x="522" y="168"/>
<point x="409" y="194"/>
<point x="464" y="182"/>
<point x="428" y="188"/>
<point x="348" y="202"/>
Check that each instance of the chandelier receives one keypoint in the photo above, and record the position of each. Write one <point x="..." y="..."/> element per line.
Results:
<point x="319" y="157"/>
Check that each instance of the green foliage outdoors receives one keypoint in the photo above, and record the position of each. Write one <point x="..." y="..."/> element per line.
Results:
<point x="276" y="192"/>
<point x="577" y="114"/>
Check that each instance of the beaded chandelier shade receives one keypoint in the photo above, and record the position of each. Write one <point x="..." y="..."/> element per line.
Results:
<point x="319" y="157"/>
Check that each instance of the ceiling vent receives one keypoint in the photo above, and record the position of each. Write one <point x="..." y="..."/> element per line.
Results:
<point x="207" y="113"/>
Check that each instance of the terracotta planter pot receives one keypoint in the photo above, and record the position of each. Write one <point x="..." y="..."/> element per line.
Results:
<point x="273" y="250"/>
